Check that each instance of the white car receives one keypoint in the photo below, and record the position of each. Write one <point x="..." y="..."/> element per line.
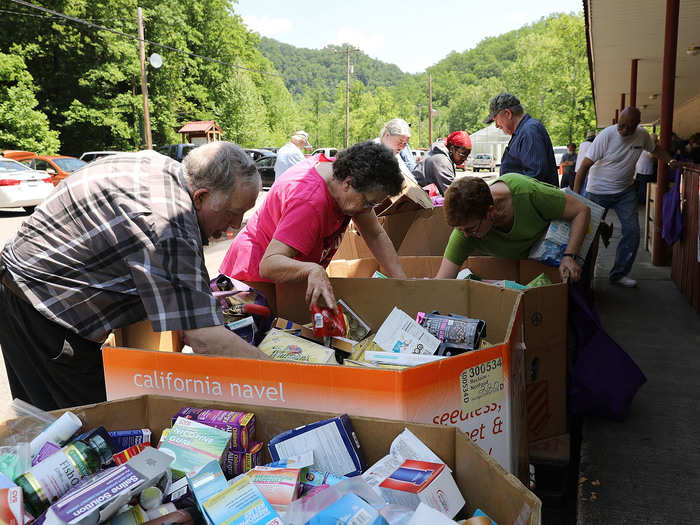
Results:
<point x="328" y="152"/>
<point x="22" y="187"/>
<point x="89" y="156"/>
<point x="559" y="152"/>
<point x="483" y="161"/>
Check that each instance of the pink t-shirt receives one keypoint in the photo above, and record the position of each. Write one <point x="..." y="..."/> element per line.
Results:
<point x="298" y="211"/>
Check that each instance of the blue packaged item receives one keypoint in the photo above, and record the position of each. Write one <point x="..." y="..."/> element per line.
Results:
<point x="348" y="510"/>
<point x="124" y="439"/>
<point x="334" y="442"/>
<point x="100" y="432"/>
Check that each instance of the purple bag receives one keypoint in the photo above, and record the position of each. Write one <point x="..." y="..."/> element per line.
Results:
<point x="672" y="225"/>
<point x="604" y="378"/>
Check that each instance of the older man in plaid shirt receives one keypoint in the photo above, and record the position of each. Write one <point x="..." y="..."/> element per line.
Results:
<point x="118" y="241"/>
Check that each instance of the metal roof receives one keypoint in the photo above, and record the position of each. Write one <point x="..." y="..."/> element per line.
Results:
<point x="198" y="125"/>
<point x="621" y="30"/>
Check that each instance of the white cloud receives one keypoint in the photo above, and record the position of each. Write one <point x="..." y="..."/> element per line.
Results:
<point x="268" y="26"/>
<point x="371" y="44"/>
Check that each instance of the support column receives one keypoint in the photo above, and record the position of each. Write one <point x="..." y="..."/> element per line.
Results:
<point x="661" y="255"/>
<point x="633" y="83"/>
<point x="622" y="102"/>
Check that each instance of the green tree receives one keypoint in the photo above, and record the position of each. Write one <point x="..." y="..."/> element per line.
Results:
<point x="22" y="126"/>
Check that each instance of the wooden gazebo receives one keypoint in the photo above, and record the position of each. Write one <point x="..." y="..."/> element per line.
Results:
<point x="200" y="129"/>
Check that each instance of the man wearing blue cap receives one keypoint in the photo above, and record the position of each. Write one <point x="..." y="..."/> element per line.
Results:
<point x="529" y="151"/>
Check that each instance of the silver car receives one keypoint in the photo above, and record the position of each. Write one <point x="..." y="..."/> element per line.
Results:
<point x="21" y="186"/>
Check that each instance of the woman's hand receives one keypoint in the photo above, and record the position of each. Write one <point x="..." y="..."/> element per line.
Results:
<point x="319" y="285"/>
<point x="569" y="270"/>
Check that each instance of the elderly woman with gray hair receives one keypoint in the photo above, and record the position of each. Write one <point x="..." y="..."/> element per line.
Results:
<point x="395" y="135"/>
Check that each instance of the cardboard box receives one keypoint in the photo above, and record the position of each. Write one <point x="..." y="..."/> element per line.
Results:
<point x="483" y="483"/>
<point x="422" y="232"/>
<point x="441" y="392"/>
<point x="544" y="319"/>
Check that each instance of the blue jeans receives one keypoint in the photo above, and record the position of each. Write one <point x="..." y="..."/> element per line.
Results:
<point x="625" y="206"/>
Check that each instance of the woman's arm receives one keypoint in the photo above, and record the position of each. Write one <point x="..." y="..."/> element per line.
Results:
<point x="278" y="265"/>
<point x="379" y="243"/>
<point x="580" y="215"/>
<point x="448" y="270"/>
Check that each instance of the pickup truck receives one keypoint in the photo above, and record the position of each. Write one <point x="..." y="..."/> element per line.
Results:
<point x="176" y="151"/>
<point x="483" y="161"/>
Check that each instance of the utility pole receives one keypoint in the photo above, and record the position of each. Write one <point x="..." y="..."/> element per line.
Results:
<point x="430" y="108"/>
<point x="144" y="85"/>
<point x="347" y="97"/>
<point x="419" y="119"/>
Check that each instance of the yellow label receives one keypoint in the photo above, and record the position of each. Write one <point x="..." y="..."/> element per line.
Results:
<point x="482" y="384"/>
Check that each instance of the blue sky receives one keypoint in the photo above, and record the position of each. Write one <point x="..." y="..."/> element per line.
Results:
<point x="409" y="33"/>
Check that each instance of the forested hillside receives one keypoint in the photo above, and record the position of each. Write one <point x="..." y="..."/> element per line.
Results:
<point x="544" y="63"/>
<point x="87" y="81"/>
<point x="71" y="87"/>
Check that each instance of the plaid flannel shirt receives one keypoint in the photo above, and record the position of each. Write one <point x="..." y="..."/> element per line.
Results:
<point x="114" y="243"/>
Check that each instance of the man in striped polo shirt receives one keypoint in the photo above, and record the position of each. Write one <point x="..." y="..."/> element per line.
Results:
<point x="116" y="242"/>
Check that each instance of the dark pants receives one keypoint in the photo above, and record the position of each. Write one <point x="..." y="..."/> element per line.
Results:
<point x="47" y="365"/>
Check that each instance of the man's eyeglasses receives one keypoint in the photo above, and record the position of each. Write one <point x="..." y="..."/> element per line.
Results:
<point x="461" y="151"/>
<point x="474" y="229"/>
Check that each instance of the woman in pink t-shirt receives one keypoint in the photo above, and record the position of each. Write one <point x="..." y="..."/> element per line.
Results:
<point x="297" y="230"/>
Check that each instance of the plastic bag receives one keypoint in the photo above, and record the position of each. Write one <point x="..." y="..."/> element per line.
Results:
<point x="327" y="323"/>
<point x="302" y="510"/>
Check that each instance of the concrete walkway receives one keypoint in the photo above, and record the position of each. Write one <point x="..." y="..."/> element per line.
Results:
<point x="645" y="469"/>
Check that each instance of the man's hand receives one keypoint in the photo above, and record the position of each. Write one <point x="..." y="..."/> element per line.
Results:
<point x="569" y="270"/>
<point x="219" y="341"/>
<point x="319" y="285"/>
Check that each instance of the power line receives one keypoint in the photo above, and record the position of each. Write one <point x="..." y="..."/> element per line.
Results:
<point x="51" y="17"/>
<point x="132" y="37"/>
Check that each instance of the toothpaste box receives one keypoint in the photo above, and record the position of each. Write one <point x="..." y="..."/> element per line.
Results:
<point x="241" y="425"/>
<point x="280" y="486"/>
<point x="235" y="462"/>
<point x="419" y="481"/>
<point x="11" y="510"/>
<point x="241" y="503"/>
<point x="193" y="445"/>
<point x="334" y="442"/>
<point x="102" y="496"/>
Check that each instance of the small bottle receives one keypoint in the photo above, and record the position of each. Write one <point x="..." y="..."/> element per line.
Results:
<point x="57" y="474"/>
<point x="58" y="432"/>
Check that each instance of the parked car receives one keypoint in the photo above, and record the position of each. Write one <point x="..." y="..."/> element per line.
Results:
<point x="328" y="152"/>
<point x="176" y="151"/>
<point x="256" y="153"/>
<point x="21" y="186"/>
<point x="58" y="166"/>
<point x="89" y="156"/>
<point x="559" y="152"/>
<point x="266" y="168"/>
<point x="483" y="161"/>
<point x="273" y="150"/>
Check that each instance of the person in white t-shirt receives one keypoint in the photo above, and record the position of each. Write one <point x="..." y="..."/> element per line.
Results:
<point x="646" y="172"/>
<point x="583" y="148"/>
<point x="291" y="153"/>
<point x="611" y="161"/>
